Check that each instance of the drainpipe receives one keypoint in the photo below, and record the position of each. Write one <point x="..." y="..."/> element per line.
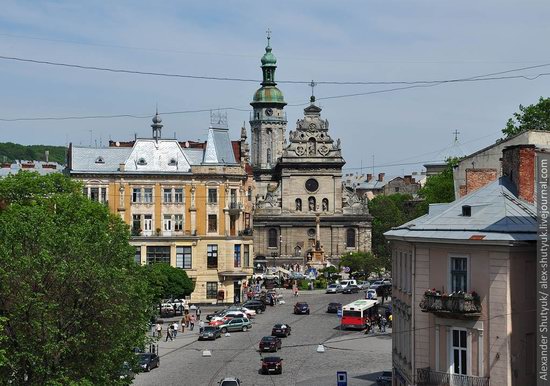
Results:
<point x="413" y="316"/>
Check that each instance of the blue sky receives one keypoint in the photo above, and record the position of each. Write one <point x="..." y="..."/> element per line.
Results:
<point x="320" y="40"/>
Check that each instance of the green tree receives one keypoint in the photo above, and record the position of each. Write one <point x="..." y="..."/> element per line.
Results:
<point x="438" y="189"/>
<point x="74" y="302"/>
<point x="13" y="151"/>
<point x="166" y="281"/>
<point x="532" y="117"/>
<point x="361" y="262"/>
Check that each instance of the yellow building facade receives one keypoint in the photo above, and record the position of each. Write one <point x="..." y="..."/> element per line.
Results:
<point x="186" y="205"/>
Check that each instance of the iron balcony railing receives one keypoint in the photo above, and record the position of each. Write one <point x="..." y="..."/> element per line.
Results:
<point x="235" y="205"/>
<point x="428" y="377"/>
<point x="454" y="303"/>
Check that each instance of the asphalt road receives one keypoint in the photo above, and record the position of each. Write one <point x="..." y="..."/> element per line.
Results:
<point x="362" y="356"/>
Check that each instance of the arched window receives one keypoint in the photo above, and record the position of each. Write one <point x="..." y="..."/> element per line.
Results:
<point x="311" y="204"/>
<point x="268" y="156"/>
<point x="297" y="251"/>
<point x="325" y="204"/>
<point x="272" y="238"/>
<point x="298" y="205"/>
<point x="350" y="238"/>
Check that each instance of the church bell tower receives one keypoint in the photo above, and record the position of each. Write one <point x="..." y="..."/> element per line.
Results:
<point x="267" y="120"/>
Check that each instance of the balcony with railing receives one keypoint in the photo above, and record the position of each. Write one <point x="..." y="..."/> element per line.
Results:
<point x="428" y="377"/>
<point x="235" y="207"/>
<point x="458" y="305"/>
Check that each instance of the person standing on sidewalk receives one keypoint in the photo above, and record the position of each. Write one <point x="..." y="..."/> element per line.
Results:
<point x="159" y="330"/>
<point x="175" y="329"/>
<point x="168" y="332"/>
<point x="183" y="324"/>
<point x="192" y="322"/>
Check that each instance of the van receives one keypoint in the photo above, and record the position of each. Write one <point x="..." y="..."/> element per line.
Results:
<point x="345" y="283"/>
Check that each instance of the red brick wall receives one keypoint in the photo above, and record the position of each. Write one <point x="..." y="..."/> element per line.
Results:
<point x="518" y="163"/>
<point x="477" y="178"/>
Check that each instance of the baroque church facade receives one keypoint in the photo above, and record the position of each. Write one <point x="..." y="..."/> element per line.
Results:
<point x="299" y="183"/>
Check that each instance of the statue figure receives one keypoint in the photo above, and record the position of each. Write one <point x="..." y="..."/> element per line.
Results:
<point x="312" y="204"/>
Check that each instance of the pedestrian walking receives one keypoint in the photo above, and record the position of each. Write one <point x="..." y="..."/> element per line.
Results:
<point x="183" y="324"/>
<point x="175" y="329"/>
<point x="390" y="319"/>
<point x="201" y="325"/>
<point x="169" y="332"/>
<point x="295" y="289"/>
<point x="187" y="320"/>
<point x="192" y="322"/>
<point x="198" y="313"/>
<point x="159" y="330"/>
<point x="383" y="324"/>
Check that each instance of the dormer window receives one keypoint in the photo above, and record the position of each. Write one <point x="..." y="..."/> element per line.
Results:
<point x="99" y="160"/>
<point x="141" y="161"/>
<point x="172" y="162"/>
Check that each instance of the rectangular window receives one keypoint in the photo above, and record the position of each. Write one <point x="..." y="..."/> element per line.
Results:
<point x="103" y="194"/>
<point x="459" y="274"/>
<point x="212" y="196"/>
<point x="233" y="198"/>
<point x="211" y="290"/>
<point x="136" y="222"/>
<point x="148" y="195"/>
<point x="167" y="222"/>
<point x="178" y="222"/>
<point x="136" y="195"/>
<point x="212" y="256"/>
<point x="246" y="256"/>
<point x="148" y="222"/>
<point x="212" y="223"/>
<point x="247" y="220"/>
<point x="237" y="256"/>
<point x="167" y="195"/>
<point x="158" y="254"/>
<point x="459" y="351"/>
<point x="94" y="194"/>
<point x="183" y="257"/>
<point x="178" y="195"/>
<point x="137" y="256"/>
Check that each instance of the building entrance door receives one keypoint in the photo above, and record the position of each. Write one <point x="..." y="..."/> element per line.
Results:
<point x="236" y="292"/>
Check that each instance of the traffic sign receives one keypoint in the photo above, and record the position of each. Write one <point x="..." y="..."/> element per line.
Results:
<point x="339" y="312"/>
<point x="346" y="269"/>
<point x="341" y="378"/>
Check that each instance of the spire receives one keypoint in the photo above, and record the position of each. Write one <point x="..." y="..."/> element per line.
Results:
<point x="269" y="63"/>
<point x="312" y="98"/>
<point x="157" y="125"/>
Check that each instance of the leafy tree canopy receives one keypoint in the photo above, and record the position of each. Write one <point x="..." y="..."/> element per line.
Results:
<point x="439" y="188"/>
<point x="73" y="301"/>
<point x="532" y="117"/>
<point x="13" y="151"/>
<point x="361" y="262"/>
<point x="168" y="282"/>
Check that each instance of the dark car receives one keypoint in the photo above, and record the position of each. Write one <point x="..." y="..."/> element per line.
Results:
<point x="301" y="308"/>
<point x="333" y="307"/>
<point x="270" y="343"/>
<point x="210" y="332"/>
<point x="256" y="305"/>
<point x="385" y="378"/>
<point x="148" y="361"/>
<point x="351" y="289"/>
<point x="281" y="330"/>
<point x="272" y="365"/>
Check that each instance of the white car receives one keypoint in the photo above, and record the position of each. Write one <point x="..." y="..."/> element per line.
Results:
<point x="363" y="285"/>
<point x="229" y="315"/>
<point x="250" y="313"/>
<point x="376" y="284"/>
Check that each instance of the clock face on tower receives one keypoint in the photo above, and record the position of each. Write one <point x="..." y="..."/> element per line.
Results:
<point x="312" y="185"/>
<point x="269" y="111"/>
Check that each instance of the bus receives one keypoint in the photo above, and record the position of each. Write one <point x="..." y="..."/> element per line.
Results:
<point x="355" y="314"/>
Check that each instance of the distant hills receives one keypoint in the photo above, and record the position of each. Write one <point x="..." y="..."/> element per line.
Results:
<point x="10" y="152"/>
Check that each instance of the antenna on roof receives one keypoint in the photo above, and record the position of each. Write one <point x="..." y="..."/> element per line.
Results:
<point x="218" y="119"/>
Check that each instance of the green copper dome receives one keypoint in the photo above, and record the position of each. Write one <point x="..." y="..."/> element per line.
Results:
<point x="268" y="59"/>
<point x="268" y="94"/>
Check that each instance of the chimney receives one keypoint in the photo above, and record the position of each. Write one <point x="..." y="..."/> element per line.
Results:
<point x="518" y="164"/>
<point x="408" y="179"/>
<point x="121" y="167"/>
<point x="381" y="177"/>
<point x="369" y="177"/>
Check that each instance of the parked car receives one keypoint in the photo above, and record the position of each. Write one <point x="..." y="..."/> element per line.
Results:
<point x="236" y="324"/>
<point x="351" y="289"/>
<point x="126" y="372"/>
<point x="270" y="343"/>
<point x="210" y="332"/>
<point x="363" y="284"/>
<point x="387" y="281"/>
<point x="148" y="361"/>
<point x="370" y="294"/>
<point x="272" y="364"/>
<point x="376" y="284"/>
<point x="281" y="330"/>
<point x="301" y="308"/>
<point x="256" y="305"/>
<point x="345" y="283"/>
<point x="231" y="381"/>
<point x="215" y="314"/>
<point x="333" y="307"/>
<point x="334" y="289"/>
<point x="167" y="310"/>
<point x="250" y="313"/>
<point x="385" y="378"/>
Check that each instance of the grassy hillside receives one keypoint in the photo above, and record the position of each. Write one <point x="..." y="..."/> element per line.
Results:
<point x="13" y="151"/>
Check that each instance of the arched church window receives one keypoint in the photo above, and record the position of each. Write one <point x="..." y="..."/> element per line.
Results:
<point x="298" y="205"/>
<point x="325" y="204"/>
<point x="297" y="251"/>
<point x="268" y="156"/>
<point x="350" y="238"/>
<point x="311" y="147"/>
<point x="312" y="204"/>
<point x="272" y="238"/>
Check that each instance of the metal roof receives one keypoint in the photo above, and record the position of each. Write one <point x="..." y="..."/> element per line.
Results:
<point x="496" y="214"/>
<point x="88" y="159"/>
<point x="37" y="166"/>
<point x="218" y="147"/>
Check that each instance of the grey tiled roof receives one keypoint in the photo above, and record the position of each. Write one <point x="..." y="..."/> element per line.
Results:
<point x="218" y="147"/>
<point x="193" y="155"/>
<point x="84" y="158"/>
<point x="496" y="214"/>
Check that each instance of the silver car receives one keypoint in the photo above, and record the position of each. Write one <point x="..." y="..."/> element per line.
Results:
<point x="334" y="289"/>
